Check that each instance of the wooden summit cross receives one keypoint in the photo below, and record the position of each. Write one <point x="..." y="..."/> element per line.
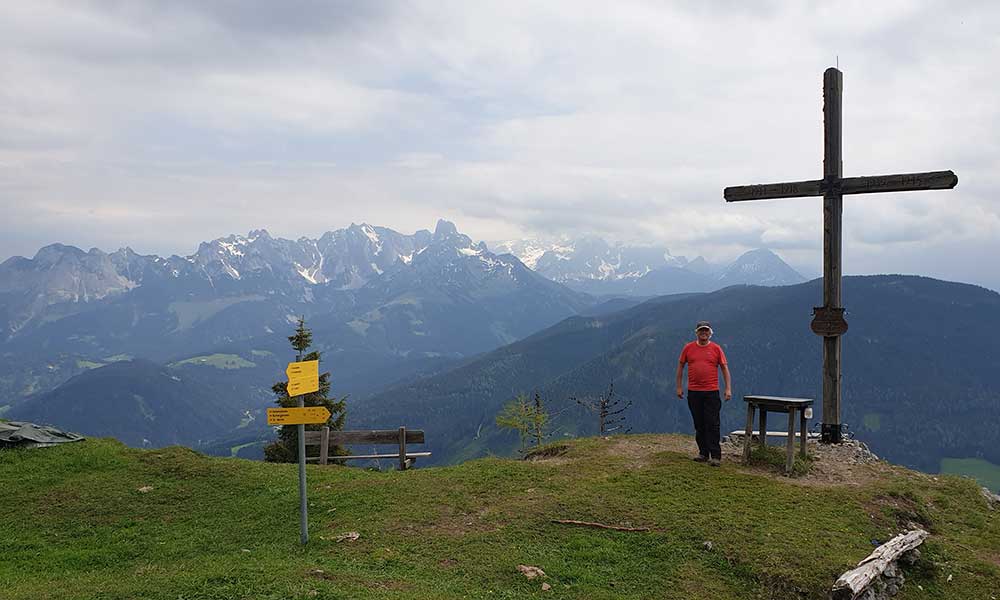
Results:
<point x="828" y="320"/>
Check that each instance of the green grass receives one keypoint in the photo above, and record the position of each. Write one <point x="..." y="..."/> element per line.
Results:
<point x="775" y="459"/>
<point x="219" y="361"/>
<point x="985" y="472"/>
<point x="87" y="364"/>
<point x="75" y="525"/>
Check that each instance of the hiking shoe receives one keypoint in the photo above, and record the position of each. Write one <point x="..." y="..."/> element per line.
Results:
<point x="715" y="462"/>
<point x="700" y="458"/>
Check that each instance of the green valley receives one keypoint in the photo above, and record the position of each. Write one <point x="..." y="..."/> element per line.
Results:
<point x="985" y="472"/>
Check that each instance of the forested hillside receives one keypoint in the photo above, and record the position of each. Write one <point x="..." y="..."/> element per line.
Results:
<point x="919" y="369"/>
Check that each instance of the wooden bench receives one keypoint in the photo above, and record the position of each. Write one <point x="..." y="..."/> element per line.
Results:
<point x="777" y="404"/>
<point x="740" y="433"/>
<point x="401" y="437"/>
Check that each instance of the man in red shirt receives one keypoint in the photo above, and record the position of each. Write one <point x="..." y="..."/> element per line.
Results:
<point x="704" y="358"/>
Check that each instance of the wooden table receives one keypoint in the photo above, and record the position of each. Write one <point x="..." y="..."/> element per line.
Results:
<point x="777" y="404"/>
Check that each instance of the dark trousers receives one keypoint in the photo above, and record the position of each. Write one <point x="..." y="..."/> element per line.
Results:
<point x="705" y="408"/>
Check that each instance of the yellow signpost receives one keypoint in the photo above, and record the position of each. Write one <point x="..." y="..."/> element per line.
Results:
<point x="297" y="416"/>
<point x="303" y="377"/>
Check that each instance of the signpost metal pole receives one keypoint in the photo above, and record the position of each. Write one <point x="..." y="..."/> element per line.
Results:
<point x="303" y="378"/>
<point x="303" y="506"/>
<point x="300" y="416"/>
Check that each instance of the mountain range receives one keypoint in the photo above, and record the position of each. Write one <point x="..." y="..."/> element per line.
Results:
<point x="381" y="304"/>
<point x="592" y="265"/>
<point x="384" y="302"/>
<point x="434" y="330"/>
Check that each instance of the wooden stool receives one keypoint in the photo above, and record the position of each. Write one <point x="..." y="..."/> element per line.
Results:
<point x="780" y="405"/>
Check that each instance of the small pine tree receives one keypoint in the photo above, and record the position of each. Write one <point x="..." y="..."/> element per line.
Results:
<point x="516" y="415"/>
<point x="529" y="419"/>
<point x="285" y="448"/>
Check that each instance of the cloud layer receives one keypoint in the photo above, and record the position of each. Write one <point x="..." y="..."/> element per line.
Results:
<point x="159" y="125"/>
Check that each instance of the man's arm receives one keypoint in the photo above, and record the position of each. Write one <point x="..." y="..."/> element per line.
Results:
<point x="729" y="383"/>
<point x="680" y="373"/>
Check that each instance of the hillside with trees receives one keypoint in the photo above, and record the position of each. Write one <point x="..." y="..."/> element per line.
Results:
<point x="919" y="369"/>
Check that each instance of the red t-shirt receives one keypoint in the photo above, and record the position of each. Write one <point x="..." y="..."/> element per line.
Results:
<point x="703" y="365"/>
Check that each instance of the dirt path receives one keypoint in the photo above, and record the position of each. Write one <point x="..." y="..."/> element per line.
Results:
<point x="848" y="464"/>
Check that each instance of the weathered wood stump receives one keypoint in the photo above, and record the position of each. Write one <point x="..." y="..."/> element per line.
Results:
<point x="853" y="583"/>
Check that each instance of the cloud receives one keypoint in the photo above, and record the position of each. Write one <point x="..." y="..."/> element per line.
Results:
<point x="163" y="124"/>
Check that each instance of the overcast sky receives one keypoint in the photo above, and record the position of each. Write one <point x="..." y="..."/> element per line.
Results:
<point x="158" y="125"/>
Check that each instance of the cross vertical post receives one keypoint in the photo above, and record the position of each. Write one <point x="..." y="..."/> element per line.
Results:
<point x="833" y="210"/>
<point x="828" y="320"/>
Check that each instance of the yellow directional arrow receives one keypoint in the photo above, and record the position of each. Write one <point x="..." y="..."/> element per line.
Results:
<point x="303" y="377"/>
<point x="297" y="416"/>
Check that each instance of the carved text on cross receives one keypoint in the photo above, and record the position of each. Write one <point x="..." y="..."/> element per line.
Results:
<point x="829" y="321"/>
<point x="934" y="180"/>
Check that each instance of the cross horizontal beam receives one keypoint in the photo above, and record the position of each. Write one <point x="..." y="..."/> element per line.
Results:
<point x="903" y="182"/>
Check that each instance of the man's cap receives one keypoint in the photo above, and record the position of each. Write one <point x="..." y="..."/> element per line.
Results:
<point x="703" y="325"/>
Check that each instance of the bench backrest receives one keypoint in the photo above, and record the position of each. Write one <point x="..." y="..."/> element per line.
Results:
<point x="373" y="436"/>
<point x="401" y="437"/>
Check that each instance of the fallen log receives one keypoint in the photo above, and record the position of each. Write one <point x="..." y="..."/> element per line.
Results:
<point x="598" y="525"/>
<point x="852" y="583"/>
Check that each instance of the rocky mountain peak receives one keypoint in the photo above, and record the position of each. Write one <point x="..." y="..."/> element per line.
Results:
<point x="445" y="229"/>
<point x="53" y="253"/>
<point x="759" y="267"/>
<point x="590" y="264"/>
<point x="701" y="266"/>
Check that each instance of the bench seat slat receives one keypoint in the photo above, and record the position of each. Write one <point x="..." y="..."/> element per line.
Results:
<point x="408" y="455"/>
<point x="371" y="456"/>
<point x="741" y="433"/>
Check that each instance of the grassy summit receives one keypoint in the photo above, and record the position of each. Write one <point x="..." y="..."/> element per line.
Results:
<point x="76" y="525"/>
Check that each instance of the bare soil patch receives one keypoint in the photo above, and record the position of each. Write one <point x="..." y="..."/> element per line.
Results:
<point x="833" y="465"/>
<point x="899" y="511"/>
<point x="551" y="454"/>
<point x="846" y="464"/>
<point x="640" y="449"/>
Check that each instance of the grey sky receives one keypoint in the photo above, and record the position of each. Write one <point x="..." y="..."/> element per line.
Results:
<point x="161" y="124"/>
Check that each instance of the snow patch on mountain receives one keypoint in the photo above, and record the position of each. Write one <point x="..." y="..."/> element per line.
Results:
<point x="588" y="258"/>
<point x="342" y="260"/>
<point x="229" y="269"/>
<point x="531" y="256"/>
<point x="370" y="233"/>
<point x="232" y="248"/>
<point x="310" y="277"/>
<point x="590" y="264"/>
